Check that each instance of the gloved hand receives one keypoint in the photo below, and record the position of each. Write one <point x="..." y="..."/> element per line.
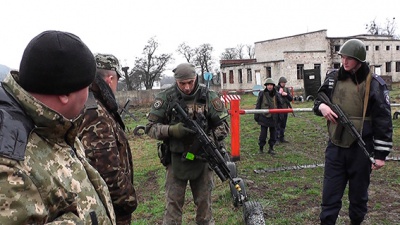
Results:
<point x="179" y="130"/>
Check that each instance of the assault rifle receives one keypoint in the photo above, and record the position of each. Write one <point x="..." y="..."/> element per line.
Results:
<point x="344" y="120"/>
<point x="212" y="154"/>
<point x="290" y="106"/>
<point x="124" y="110"/>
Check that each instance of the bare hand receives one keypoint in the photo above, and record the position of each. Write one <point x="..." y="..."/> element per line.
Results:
<point x="378" y="164"/>
<point x="327" y="112"/>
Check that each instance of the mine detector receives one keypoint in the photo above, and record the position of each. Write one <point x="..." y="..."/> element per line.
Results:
<point x="224" y="168"/>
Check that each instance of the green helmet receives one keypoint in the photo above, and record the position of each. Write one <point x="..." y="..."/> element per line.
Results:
<point x="282" y="80"/>
<point x="269" y="81"/>
<point x="354" y="48"/>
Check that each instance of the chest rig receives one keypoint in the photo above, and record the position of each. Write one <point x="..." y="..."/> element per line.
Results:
<point x="196" y="106"/>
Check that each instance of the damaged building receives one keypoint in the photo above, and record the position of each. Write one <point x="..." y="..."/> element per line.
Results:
<point x="304" y="60"/>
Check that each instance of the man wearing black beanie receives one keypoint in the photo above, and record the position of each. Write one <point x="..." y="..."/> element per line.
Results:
<point x="46" y="177"/>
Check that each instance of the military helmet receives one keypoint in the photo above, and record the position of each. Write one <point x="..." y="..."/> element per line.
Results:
<point x="108" y="62"/>
<point x="354" y="48"/>
<point x="282" y="80"/>
<point x="269" y="81"/>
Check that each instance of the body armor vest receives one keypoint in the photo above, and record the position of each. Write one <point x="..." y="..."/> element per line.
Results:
<point x="350" y="97"/>
<point x="268" y="102"/>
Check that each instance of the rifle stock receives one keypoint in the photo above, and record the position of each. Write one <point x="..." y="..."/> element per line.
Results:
<point x="212" y="154"/>
<point x="344" y="120"/>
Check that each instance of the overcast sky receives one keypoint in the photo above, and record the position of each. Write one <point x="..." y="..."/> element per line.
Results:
<point x="123" y="27"/>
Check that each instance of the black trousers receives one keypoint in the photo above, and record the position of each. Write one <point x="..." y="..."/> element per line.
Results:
<point x="342" y="166"/>
<point x="280" y="129"/>
<point x="262" y="139"/>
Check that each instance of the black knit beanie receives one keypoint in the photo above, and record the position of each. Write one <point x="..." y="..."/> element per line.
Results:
<point x="56" y="63"/>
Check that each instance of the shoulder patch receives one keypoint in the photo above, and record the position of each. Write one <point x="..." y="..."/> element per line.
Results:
<point x="217" y="104"/>
<point x="158" y="103"/>
<point x="386" y="95"/>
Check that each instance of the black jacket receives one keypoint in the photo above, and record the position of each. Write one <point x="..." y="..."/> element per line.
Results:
<point x="380" y="128"/>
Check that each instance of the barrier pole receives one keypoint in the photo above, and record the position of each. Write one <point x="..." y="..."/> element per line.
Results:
<point x="235" y="129"/>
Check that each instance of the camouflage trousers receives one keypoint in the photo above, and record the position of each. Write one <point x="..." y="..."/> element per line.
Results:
<point x="175" y="197"/>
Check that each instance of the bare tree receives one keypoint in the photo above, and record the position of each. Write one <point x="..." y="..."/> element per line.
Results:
<point x="239" y="51"/>
<point x="127" y="79"/>
<point x="203" y="58"/>
<point x="372" y="28"/>
<point x="229" y="53"/>
<point x="388" y="29"/>
<point x="150" y="67"/>
<point x="250" y="51"/>
<point x="186" y="51"/>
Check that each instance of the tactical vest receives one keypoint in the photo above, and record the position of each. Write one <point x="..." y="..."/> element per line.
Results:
<point x="196" y="108"/>
<point x="268" y="102"/>
<point x="350" y="97"/>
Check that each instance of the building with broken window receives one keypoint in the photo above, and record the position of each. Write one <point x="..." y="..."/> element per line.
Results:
<point x="304" y="60"/>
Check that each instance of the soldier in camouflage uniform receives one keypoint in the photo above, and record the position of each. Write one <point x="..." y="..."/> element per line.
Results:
<point x="206" y="108"/>
<point x="105" y="142"/>
<point x="45" y="178"/>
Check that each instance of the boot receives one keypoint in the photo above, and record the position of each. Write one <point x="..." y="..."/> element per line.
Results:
<point x="283" y="141"/>
<point x="271" y="150"/>
<point x="261" y="149"/>
<point x="355" y="222"/>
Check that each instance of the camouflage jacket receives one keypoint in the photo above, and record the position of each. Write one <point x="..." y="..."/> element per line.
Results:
<point x="107" y="149"/>
<point x="53" y="183"/>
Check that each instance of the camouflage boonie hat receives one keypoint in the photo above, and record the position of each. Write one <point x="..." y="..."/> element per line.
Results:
<point x="108" y="62"/>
